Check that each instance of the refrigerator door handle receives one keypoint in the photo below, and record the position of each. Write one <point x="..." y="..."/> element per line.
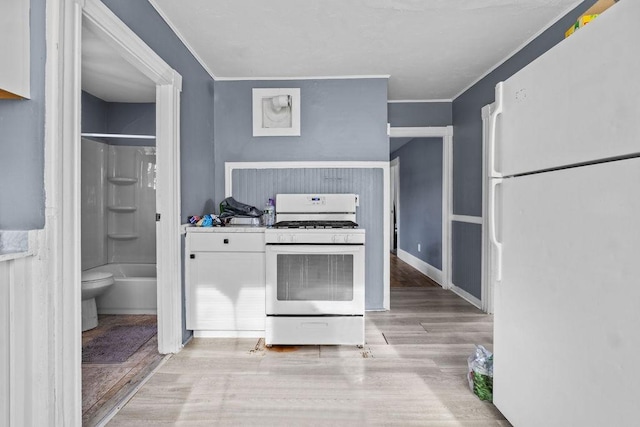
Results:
<point x="492" y="226"/>
<point x="492" y="136"/>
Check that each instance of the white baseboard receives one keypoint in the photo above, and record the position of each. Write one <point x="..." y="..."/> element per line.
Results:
<point x="228" y="334"/>
<point x="423" y="267"/>
<point x="466" y="296"/>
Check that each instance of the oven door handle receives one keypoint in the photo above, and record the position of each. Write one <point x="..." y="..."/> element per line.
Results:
<point x="320" y="249"/>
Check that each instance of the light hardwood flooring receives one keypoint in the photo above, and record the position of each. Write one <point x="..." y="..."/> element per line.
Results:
<point x="405" y="276"/>
<point x="412" y="371"/>
<point x="105" y="385"/>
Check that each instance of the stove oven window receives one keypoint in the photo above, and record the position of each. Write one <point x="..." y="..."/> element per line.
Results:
<point x="315" y="277"/>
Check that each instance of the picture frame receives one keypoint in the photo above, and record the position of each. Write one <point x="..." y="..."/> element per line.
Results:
<point x="276" y="112"/>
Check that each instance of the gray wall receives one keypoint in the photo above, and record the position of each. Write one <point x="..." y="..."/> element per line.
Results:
<point x="133" y="119"/>
<point x="340" y="120"/>
<point x="22" y="141"/>
<point x="466" y="260"/>
<point x="99" y="116"/>
<point x="94" y="114"/>
<point x="467" y="149"/>
<point x="255" y="186"/>
<point x="420" y="114"/>
<point x="196" y="107"/>
<point x="421" y="199"/>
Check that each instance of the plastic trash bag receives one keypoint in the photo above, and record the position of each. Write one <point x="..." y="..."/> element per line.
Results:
<point x="481" y="373"/>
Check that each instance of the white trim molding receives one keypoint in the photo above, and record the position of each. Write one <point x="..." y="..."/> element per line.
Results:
<point x="423" y="267"/>
<point x="229" y="167"/>
<point x="417" y="101"/>
<point x="394" y="171"/>
<point x="447" y="206"/>
<point x="421" y="132"/>
<point x="168" y="228"/>
<point x="348" y="77"/>
<point x="61" y="402"/>
<point x="466" y="296"/>
<point x="446" y="133"/>
<point x="467" y="218"/>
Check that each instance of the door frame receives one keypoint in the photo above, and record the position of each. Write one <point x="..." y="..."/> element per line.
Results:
<point x="446" y="133"/>
<point x="62" y="186"/>
<point x="394" y="192"/>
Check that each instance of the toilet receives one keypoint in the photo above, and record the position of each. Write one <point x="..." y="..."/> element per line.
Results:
<point x="94" y="284"/>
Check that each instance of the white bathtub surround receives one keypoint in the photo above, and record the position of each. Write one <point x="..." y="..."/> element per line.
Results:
<point x="118" y="204"/>
<point x="118" y="227"/>
<point x="93" y="203"/>
<point x="134" y="290"/>
<point x="131" y="205"/>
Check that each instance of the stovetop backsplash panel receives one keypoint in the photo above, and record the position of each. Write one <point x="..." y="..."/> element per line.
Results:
<point x="256" y="186"/>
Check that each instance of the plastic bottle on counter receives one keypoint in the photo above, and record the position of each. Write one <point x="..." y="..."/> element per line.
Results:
<point x="269" y="214"/>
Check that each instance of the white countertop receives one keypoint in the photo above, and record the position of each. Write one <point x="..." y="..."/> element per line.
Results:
<point x="189" y="228"/>
<point x="17" y="244"/>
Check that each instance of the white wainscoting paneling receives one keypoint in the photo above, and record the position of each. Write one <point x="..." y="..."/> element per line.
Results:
<point x="24" y="335"/>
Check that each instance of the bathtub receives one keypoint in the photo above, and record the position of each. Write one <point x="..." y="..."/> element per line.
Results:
<point x="134" y="290"/>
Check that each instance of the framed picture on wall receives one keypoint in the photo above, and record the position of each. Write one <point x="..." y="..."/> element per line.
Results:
<point x="276" y="112"/>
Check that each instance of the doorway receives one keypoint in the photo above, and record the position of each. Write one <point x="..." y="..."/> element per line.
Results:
<point x="63" y="176"/>
<point x="405" y="135"/>
<point x="394" y="176"/>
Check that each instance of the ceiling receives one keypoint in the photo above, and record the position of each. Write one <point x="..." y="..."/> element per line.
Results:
<point x="431" y="49"/>
<point x="108" y="76"/>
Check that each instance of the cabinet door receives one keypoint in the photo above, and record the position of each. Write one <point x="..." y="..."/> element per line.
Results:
<point x="15" y="49"/>
<point x="225" y="291"/>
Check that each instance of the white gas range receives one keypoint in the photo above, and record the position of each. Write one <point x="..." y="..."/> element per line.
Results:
<point x="315" y="271"/>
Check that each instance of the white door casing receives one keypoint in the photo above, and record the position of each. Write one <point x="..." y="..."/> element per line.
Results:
<point x="446" y="133"/>
<point x="62" y="180"/>
<point x="394" y="175"/>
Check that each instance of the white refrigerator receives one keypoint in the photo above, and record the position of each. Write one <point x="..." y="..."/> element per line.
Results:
<point x="565" y="227"/>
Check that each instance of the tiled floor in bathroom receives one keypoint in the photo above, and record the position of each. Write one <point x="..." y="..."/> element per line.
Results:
<point x="105" y="385"/>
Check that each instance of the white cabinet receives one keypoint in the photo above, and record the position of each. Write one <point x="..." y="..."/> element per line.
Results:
<point x="15" y="49"/>
<point x="225" y="282"/>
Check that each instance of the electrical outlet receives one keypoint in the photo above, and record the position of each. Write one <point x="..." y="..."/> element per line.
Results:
<point x="419" y="248"/>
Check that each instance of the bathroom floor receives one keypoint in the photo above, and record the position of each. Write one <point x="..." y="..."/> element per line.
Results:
<point x="104" y="385"/>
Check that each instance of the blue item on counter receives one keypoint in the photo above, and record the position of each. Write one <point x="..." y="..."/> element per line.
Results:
<point x="207" y="221"/>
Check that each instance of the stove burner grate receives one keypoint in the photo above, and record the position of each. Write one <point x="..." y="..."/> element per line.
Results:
<point x="315" y="224"/>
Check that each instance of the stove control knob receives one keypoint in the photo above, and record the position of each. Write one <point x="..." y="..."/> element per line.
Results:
<point x="347" y="239"/>
<point x="281" y="238"/>
<point x="294" y="239"/>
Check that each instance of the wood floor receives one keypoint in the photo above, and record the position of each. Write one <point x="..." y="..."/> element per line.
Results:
<point x="105" y="385"/>
<point x="412" y="371"/>
<point x="405" y="276"/>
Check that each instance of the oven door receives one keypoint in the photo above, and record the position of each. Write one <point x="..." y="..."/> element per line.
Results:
<point x="315" y="279"/>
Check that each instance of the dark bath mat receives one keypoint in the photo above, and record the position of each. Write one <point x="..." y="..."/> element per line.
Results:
<point x="117" y="344"/>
